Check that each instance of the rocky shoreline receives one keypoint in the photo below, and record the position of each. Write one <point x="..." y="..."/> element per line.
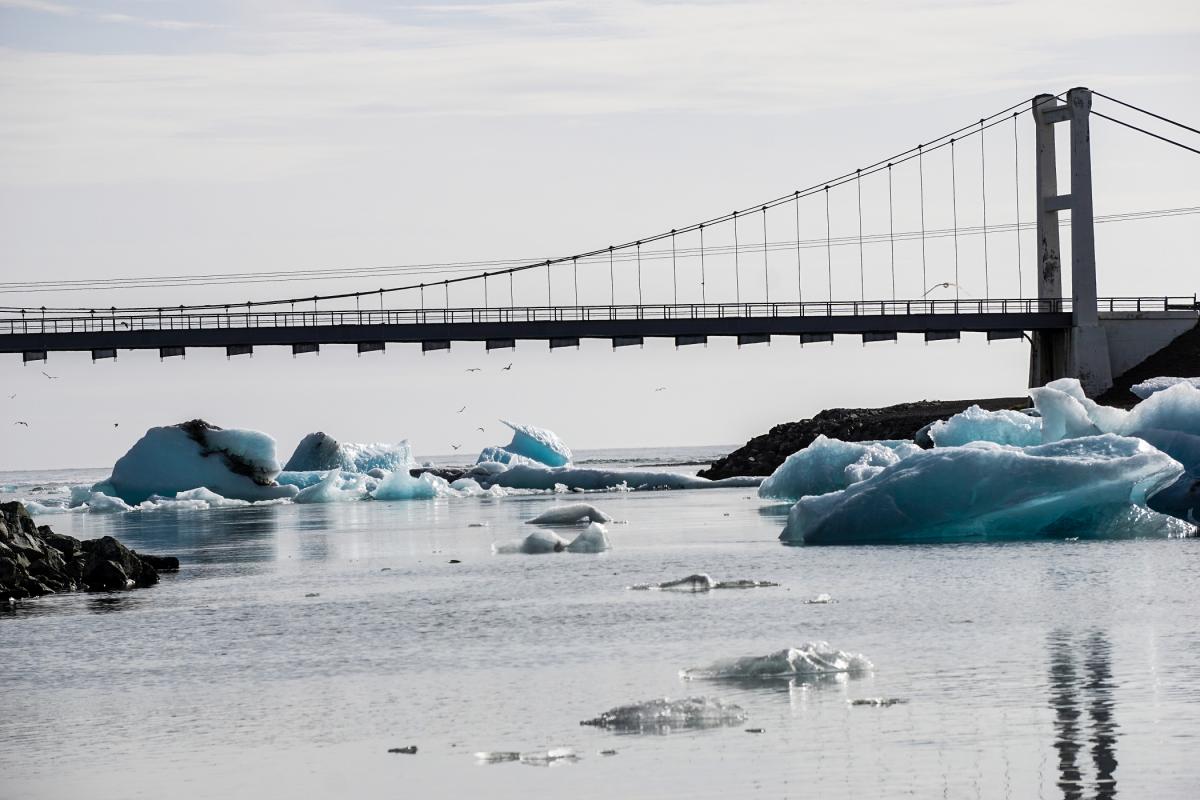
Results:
<point x="762" y="454"/>
<point x="36" y="561"/>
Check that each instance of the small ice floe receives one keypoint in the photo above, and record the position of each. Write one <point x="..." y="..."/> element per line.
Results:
<point x="594" y="539"/>
<point x="570" y="514"/>
<point x="410" y="750"/>
<point x="664" y="715"/>
<point x="810" y="660"/>
<point x="538" y="758"/>
<point x="477" y="525"/>
<point x="877" y="701"/>
<point x="700" y="582"/>
<point x="822" y="599"/>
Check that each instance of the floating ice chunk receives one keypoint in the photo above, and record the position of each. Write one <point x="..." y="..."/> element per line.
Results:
<point x="100" y="502"/>
<point x="811" y="659"/>
<point x="700" y="582"/>
<point x="1068" y="413"/>
<point x="535" y="543"/>
<point x="743" y="583"/>
<point x="233" y="463"/>
<point x="530" y="477"/>
<point x="209" y="498"/>
<point x="1176" y="408"/>
<point x="827" y="465"/>
<point x="823" y="598"/>
<point x="539" y="444"/>
<point x="976" y="425"/>
<point x="333" y="489"/>
<point x="546" y="758"/>
<point x="570" y="514"/>
<point x="400" y="485"/>
<point x="1149" y="387"/>
<point x="498" y="756"/>
<point x="592" y="540"/>
<point x="879" y="702"/>
<point x="665" y="715"/>
<point x="320" y="451"/>
<point x="504" y="458"/>
<point x="985" y="491"/>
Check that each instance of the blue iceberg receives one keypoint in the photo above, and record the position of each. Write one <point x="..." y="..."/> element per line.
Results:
<point x="828" y="465"/>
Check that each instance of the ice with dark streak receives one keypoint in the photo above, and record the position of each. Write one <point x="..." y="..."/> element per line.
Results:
<point x="664" y="715"/>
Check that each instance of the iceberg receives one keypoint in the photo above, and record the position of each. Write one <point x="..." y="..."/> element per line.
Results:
<point x="524" y="476"/>
<point x="809" y="660"/>
<point x="594" y="539"/>
<point x="333" y="489"/>
<point x="529" y="444"/>
<point x="321" y="452"/>
<point x="1149" y="387"/>
<point x="701" y="582"/>
<point x="237" y="464"/>
<point x="827" y="465"/>
<point x="664" y="715"/>
<point x="984" y="491"/>
<point x="536" y="543"/>
<point x="570" y="514"/>
<point x="976" y="425"/>
<point x="400" y="485"/>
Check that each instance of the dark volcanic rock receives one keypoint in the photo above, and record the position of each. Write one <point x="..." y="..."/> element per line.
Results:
<point x="762" y="454"/>
<point x="36" y="561"/>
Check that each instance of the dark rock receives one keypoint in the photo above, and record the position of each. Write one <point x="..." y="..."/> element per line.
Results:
<point x="762" y="454"/>
<point x="35" y="561"/>
<point x="455" y="561"/>
<point x="448" y="474"/>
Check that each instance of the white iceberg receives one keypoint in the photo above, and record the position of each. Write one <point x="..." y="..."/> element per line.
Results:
<point x="569" y="514"/>
<point x="238" y="464"/>
<point x="321" y="452"/>
<point x="976" y="425"/>
<point x="594" y="539"/>
<point x="827" y="465"/>
<point x="333" y="489"/>
<point x="809" y="660"/>
<point x="400" y="485"/>
<point x="664" y="715"/>
<point x="1149" y="387"/>
<point x="528" y="444"/>
<point x="987" y="491"/>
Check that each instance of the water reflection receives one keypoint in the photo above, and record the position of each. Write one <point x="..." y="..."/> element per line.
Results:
<point x="1081" y="683"/>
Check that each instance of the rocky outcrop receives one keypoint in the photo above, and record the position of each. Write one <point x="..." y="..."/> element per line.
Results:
<point x="762" y="454"/>
<point x="35" y="560"/>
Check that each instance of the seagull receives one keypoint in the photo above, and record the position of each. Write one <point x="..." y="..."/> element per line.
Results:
<point x="19" y="422"/>
<point x="945" y="285"/>
<point x="456" y="446"/>
<point x="11" y="396"/>
<point x="480" y="429"/>
<point x="473" y="369"/>
<point x="116" y="424"/>
<point x="126" y="324"/>
<point x="661" y="389"/>
<point x="508" y="367"/>
<point x="464" y="408"/>
<point x="51" y="377"/>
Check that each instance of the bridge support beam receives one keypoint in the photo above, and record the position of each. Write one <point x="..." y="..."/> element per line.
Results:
<point x="1082" y="352"/>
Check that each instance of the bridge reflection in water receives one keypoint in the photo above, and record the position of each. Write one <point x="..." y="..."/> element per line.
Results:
<point x="1081" y="697"/>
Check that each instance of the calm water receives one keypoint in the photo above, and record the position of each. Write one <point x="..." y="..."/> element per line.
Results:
<point x="1031" y="670"/>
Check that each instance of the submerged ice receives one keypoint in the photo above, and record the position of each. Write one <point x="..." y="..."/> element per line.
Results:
<point x="809" y="660"/>
<point x="664" y="715"/>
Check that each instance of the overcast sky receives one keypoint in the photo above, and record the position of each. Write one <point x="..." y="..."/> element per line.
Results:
<point x="153" y="137"/>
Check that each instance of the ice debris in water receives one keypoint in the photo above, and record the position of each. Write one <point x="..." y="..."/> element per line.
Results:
<point x="525" y="476"/>
<point x="333" y="489"/>
<point x="820" y="600"/>
<point x="1149" y="387"/>
<point x="987" y="491"/>
<point x="811" y="659"/>
<point x="976" y="425"/>
<point x="540" y="758"/>
<point x="700" y="582"/>
<point x="827" y="465"/>
<point x="664" y="715"/>
<point x="877" y="701"/>
<point x="402" y="486"/>
<point x="594" y="539"/>
<point x="320" y="451"/>
<point x="570" y="514"/>
<point x="236" y="464"/>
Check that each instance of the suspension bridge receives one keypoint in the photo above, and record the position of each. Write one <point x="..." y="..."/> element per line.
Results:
<point x="772" y="269"/>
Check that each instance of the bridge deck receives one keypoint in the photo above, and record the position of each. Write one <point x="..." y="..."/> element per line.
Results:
<point x="30" y="331"/>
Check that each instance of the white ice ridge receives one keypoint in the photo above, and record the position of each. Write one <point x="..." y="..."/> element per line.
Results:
<point x="333" y="488"/>
<point x="664" y="715"/>
<point x="593" y="539"/>
<point x="700" y="582"/>
<point x="529" y="443"/>
<point x="237" y="464"/>
<point x="400" y="485"/>
<point x="976" y="425"/>
<point x="523" y="476"/>
<point x="569" y="514"/>
<point x="809" y="660"/>
<point x="988" y="491"/>
<point x="1149" y="387"/>
<point x="321" y="452"/>
<point x="827" y="465"/>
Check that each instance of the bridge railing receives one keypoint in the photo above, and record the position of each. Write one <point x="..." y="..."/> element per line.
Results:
<point x="35" y="321"/>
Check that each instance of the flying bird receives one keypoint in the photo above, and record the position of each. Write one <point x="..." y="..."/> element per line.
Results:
<point x="456" y="446"/>
<point x="473" y="369"/>
<point x="661" y="389"/>
<point x="126" y="324"/>
<point x="19" y="422"/>
<point x="508" y="367"/>
<point x="946" y="285"/>
<point x="116" y="424"/>
<point x="480" y="428"/>
<point x="464" y="408"/>
<point x="51" y="377"/>
<point x="11" y="396"/>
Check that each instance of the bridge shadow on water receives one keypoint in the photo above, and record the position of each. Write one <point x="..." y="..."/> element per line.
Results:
<point x="1080" y="687"/>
